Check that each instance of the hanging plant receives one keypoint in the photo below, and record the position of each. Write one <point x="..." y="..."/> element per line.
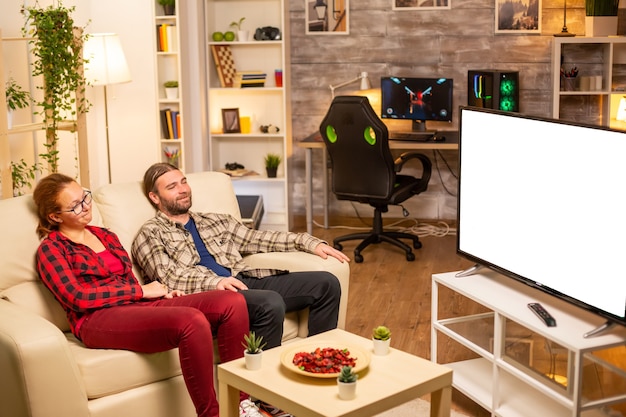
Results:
<point x="57" y="47"/>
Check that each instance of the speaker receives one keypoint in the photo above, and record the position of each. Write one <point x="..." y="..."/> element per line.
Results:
<point x="493" y="89"/>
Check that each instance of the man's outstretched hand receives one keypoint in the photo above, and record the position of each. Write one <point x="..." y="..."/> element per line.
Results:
<point x="324" y="251"/>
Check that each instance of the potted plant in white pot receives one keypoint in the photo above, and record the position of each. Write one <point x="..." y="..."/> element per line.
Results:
<point x="16" y="99"/>
<point x="381" y="337"/>
<point x="346" y="383"/>
<point x="171" y="89"/>
<point x="242" y="35"/>
<point x="601" y="17"/>
<point x="253" y="352"/>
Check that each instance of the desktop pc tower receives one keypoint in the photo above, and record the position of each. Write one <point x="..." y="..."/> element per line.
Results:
<point x="493" y="89"/>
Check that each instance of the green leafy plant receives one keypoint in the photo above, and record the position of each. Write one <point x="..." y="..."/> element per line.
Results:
<point x="57" y="47"/>
<point x="16" y="97"/>
<point x="253" y="343"/>
<point x="381" y="333"/>
<point x="22" y="175"/>
<point x="272" y="160"/>
<point x="601" y="7"/>
<point x="346" y="375"/>
<point x="167" y="2"/>
<point x="237" y="24"/>
<point x="170" y="84"/>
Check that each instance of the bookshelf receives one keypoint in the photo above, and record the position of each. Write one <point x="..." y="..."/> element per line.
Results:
<point x="170" y="103"/>
<point x="257" y="106"/>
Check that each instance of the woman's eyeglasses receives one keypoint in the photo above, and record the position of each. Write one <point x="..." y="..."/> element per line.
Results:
<point x="78" y="208"/>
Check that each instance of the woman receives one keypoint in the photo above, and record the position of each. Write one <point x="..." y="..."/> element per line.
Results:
<point x="90" y="274"/>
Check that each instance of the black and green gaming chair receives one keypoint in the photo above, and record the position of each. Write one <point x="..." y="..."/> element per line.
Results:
<point x="364" y="170"/>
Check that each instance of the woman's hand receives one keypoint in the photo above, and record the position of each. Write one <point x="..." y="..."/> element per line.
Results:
<point x="157" y="290"/>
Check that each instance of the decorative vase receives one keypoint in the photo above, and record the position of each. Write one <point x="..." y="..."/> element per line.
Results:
<point x="171" y="93"/>
<point x="600" y="25"/>
<point x="253" y="360"/>
<point x="347" y="390"/>
<point x="381" y="347"/>
<point x="271" y="172"/>
<point x="243" y="35"/>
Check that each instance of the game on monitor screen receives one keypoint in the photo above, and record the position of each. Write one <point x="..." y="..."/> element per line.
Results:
<point x="416" y="99"/>
<point x="544" y="201"/>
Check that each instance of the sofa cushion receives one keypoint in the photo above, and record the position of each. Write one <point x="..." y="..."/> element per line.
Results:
<point x="109" y="371"/>
<point x="35" y="297"/>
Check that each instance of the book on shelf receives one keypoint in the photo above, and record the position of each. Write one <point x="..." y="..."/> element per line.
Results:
<point x="245" y="79"/>
<point x="178" y="127"/>
<point x="238" y="172"/>
<point x="164" y="127"/>
<point x="166" y="37"/>
<point x="175" y="115"/>
<point x="170" y="129"/>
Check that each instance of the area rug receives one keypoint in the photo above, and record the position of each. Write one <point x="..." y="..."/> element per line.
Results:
<point x="414" y="408"/>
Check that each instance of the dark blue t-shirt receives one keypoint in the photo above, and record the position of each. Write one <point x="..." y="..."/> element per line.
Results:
<point x="206" y="259"/>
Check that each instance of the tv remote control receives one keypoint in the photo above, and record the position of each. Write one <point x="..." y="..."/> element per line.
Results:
<point x="542" y="314"/>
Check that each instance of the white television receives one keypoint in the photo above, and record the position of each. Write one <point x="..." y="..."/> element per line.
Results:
<point x="543" y="201"/>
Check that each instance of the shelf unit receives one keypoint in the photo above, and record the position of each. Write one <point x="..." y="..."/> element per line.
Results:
<point x="503" y="366"/>
<point x="268" y="105"/>
<point x="168" y="67"/>
<point x="77" y="125"/>
<point x="594" y="56"/>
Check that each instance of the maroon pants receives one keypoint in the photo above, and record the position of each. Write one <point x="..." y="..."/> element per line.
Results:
<point x="189" y="323"/>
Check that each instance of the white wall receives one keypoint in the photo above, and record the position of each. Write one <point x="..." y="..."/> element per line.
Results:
<point x="132" y="114"/>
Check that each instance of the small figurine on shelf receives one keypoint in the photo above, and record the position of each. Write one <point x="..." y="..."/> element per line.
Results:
<point x="172" y="155"/>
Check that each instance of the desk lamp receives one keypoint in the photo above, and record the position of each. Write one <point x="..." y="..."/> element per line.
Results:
<point x="362" y="77"/>
<point x="107" y="65"/>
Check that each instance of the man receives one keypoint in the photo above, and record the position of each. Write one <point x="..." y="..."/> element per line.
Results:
<point x="194" y="252"/>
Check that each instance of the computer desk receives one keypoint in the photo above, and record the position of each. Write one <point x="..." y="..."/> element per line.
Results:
<point x="315" y="141"/>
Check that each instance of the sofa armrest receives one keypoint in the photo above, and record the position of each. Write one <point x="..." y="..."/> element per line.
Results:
<point x="39" y="375"/>
<point x="302" y="261"/>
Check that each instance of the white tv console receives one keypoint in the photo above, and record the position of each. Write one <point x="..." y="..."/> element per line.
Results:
<point x="506" y="385"/>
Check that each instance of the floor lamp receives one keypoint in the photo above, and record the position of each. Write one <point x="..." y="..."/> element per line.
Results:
<point x="106" y="66"/>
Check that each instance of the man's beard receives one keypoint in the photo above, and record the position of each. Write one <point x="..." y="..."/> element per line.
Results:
<point x="176" y="207"/>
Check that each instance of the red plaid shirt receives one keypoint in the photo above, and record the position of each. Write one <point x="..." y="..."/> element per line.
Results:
<point x="79" y="278"/>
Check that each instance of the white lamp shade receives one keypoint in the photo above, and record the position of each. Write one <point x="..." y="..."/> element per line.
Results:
<point x="107" y="63"/>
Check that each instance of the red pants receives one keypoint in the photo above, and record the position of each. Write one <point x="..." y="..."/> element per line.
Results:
<point x="189" y="323"/>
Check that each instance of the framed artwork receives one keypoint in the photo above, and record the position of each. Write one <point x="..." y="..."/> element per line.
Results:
<point x="522" y="16"/>
<point x="230" y="121"/>
<point x="327" y="17"/>
<point x="224" y="64"/>
<point x="420" y="4"/>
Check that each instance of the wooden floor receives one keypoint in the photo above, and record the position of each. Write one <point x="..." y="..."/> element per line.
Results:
<point x="386" y="289"/>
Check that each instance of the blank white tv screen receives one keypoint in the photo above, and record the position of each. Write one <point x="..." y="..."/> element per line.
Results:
<point x="545" y="201"/>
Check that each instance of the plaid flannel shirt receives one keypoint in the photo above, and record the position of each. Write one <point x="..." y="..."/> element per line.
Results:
<point x="80" y="280"/>
<point x="164" y="250"/>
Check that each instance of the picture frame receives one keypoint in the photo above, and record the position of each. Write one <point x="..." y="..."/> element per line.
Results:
<point x="527" y="19"/>
<point x="420" y="4"/>
<point x="327" y="17"/>
<point x="230" y="121"/>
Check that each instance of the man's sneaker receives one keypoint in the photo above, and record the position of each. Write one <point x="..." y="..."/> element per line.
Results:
<point x="268" y="410"/>
<point x="247" y="408"/>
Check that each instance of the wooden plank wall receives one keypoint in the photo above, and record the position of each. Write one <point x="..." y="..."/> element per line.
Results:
<point x="418" y="43"/>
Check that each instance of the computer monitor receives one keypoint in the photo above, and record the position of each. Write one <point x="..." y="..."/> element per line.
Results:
<point x="416" y="99"/>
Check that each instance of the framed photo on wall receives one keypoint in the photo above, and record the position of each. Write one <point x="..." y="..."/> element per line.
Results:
<point x="327" y="17"/>
<point x="230" y="121"/>
<point x="523" y="16"/>
<point x="420" y="4"/>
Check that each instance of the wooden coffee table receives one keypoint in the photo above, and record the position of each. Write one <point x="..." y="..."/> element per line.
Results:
<point x="387" y="382"/>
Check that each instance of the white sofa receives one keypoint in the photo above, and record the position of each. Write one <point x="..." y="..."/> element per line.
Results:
<point x="45" y="371"/>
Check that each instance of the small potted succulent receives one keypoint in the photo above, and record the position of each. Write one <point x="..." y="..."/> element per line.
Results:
<point x="346" y="382"/>
<point x="242" y="35"/>
<point x="381" y="336"/>
<point x="16" y="99"/>
<point x="253" y="345"/>
<point x="171" y="89"/>
<point x="272" y="161"/>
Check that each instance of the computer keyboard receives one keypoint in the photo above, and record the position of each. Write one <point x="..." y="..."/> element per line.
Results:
<point x="412" y="136"/>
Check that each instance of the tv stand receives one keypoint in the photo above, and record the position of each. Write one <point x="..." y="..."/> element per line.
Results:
<point x="469" y="271"/>
<point x="418" y="126"/>
<point x="506" y="360"/>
